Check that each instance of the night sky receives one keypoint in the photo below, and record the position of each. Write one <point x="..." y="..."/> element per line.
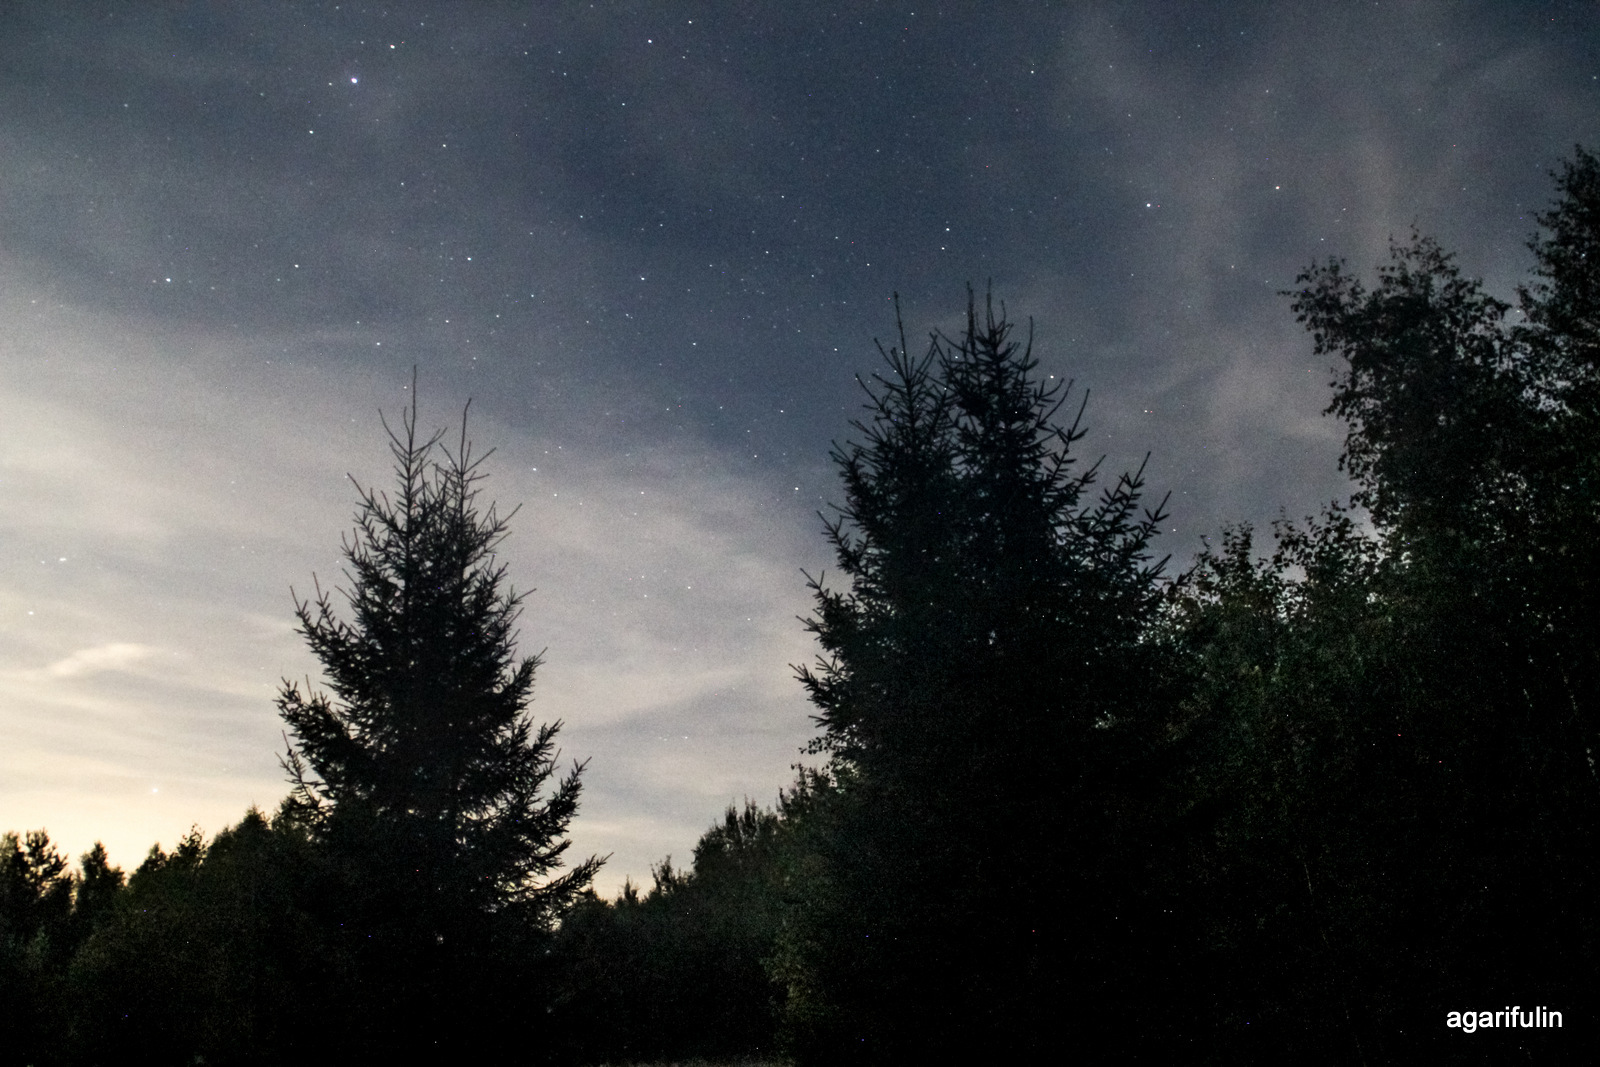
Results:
<point x="653" y="244"/>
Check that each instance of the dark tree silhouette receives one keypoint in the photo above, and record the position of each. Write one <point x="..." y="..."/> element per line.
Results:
<point x="1388" y="798"/>
<point x="35" y="944"/>
<point x="678" y="972"/>
<point x="210" y="954"/>
<point x="981" y="686"/>
<point x="1306" y="798"/>
<point x="422" y="775"/>
<point x="1475" y="443"/>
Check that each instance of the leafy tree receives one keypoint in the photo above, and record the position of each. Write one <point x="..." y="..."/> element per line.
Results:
<point x="678" y="971"/>
<point x="982" y="688"/>
<point x="422" y="776"/>
<point x="213" y="952"/>
<point x="35" y="943"/>
<point x="1436" y="397"/>
<point x="1307" y="798"/>
<point x="1562" y="334"/>
<point x="1562" y="306"/>
<point x="1474" y="443"/>
<point x="1386" y="799"/>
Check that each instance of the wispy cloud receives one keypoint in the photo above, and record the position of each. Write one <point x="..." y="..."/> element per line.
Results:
<point x="116" y="656"/>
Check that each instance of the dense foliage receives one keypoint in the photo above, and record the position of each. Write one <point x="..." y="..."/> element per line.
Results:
<point x="682" y="969"/>
<point x="1295" y="803"/>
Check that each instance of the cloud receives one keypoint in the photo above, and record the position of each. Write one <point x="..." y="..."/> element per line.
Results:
<point x="167" y="485"/>
<point x="655" y="260"/>
<point x="116" y="656"/>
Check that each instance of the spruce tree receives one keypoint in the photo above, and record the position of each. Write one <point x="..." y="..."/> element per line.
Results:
<point x="981" y="681"/>
<point x="421" y="776"/>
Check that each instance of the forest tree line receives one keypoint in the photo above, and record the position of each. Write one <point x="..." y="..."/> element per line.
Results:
<point x="1301" y="799"/>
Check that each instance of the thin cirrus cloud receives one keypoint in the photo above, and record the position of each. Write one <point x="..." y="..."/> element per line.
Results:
<point x="116" y="656"/>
